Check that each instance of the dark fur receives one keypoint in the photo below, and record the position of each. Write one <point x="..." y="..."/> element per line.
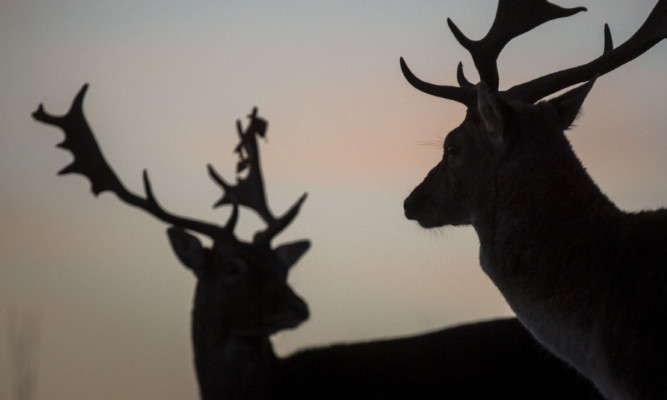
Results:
<point x="488" y="360"/>
<point x="588" y="280"/>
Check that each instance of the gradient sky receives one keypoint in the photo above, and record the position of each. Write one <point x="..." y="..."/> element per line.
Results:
<point x="168" y="79"/>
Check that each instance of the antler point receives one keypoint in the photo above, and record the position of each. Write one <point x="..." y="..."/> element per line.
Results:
<point x="608" y="41"/>
<point x="458" y="35"/>
<point x="461" y="78"/>
<point x="218" y="203"/>
<point x="68" y="169"/>
<point x="147" y="188"/>
<point x="41" y="115"/>
<point x="40" y="109"/>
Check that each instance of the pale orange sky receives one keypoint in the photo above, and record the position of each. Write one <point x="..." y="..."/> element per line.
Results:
<point x="168" y="80"/>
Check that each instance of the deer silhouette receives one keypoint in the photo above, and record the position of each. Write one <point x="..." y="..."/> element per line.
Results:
<point x="588" y="280"/>
<point x="242" y="298"/>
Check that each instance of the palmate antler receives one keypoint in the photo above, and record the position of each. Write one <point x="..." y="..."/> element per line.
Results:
<point x="89" y="161"/>
<point x="515" y="17"/>
<point x="250" y="191"/>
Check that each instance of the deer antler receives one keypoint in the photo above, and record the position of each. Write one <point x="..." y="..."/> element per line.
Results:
<point x="516" y="17"/>
<point x="513" y="18"/>
<point x="89" y="161"/>
<point x="652" y="31"/>
<point x="249" y="191"/>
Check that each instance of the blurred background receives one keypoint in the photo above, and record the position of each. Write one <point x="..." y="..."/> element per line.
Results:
<point x="89" y="287"/>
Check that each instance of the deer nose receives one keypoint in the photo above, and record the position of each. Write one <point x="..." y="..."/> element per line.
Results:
<point x="299" y="308"/>
<point x="410" y="206"/>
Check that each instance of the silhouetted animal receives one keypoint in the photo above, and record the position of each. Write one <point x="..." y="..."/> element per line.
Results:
<point x="588" y="280"/>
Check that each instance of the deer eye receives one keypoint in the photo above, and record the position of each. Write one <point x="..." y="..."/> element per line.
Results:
<point x="451" y="150"/>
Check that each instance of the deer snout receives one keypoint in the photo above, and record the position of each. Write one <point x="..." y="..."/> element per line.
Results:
<point x="412" y="204"/>
<point x="289" y="315"/>
<point x="299" y="308"/>
<point x="407" y="208"/>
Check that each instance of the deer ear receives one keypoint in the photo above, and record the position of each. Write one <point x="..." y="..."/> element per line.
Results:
<point x="188" y="249"/>
<point x="290" y="253"/>
<point x="568" y="104"/>
<point x="493" y="112"/>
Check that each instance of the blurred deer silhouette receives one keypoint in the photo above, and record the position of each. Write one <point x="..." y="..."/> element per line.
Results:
<point x="242" y="297"/>
<point x="588" y="280"/>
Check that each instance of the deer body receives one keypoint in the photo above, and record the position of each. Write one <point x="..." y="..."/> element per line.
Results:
<point x="495" y="359"/>
<point x="588" y="280"/>
<point x="485" y="360"/>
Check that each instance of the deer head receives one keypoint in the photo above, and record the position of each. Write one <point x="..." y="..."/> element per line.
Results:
<point x="241" y="286"/>
<point x="504" y="132"/>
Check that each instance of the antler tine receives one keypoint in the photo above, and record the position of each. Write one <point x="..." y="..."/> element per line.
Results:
<point x="89" y="161"/>
<point x="464" y="95"/>
<point x="652" y="31"/>
<point x="250" y="191"/>
<point x="461" y="78"/>
<point x="608" y="41"/>
<point x="513" y="18"/>
<point x="265" y="236"/>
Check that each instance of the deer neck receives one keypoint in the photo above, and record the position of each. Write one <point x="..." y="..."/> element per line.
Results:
<point x="540" y="205"/>
<point x="537" y="244"/>
<point x="232" y="366"/>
